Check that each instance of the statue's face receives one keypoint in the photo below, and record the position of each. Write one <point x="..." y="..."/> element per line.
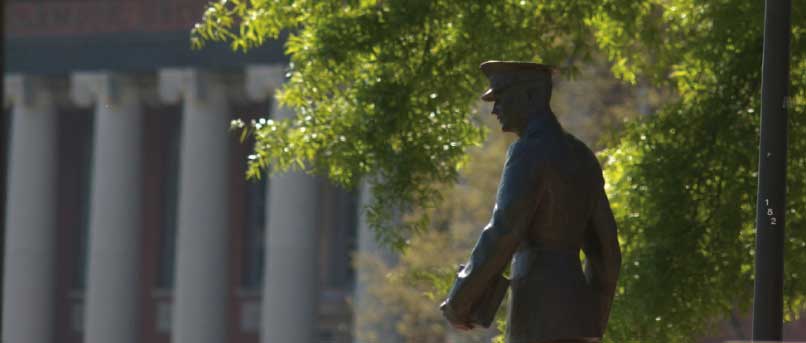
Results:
<point x="510" y="108"/>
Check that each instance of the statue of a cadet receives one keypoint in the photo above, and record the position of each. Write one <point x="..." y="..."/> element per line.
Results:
<point x="550" y="204"/>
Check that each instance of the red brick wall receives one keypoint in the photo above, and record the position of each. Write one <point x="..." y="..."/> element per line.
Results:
<point x="740" y="327"/>
<point x="67" y="18"/>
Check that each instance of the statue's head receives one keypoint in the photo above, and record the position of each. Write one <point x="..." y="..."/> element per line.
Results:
<point x="519" y="90"/>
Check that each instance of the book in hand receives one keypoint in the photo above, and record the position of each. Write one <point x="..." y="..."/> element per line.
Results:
<point x="482" y="312"/>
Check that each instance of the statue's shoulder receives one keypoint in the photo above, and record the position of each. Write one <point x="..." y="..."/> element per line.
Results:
<point x="587" y="158"/>
<point x="578" y="147"/>
<point x="528" y="152"/>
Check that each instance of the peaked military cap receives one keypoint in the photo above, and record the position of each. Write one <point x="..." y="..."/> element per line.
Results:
<point x="503" y="74"/>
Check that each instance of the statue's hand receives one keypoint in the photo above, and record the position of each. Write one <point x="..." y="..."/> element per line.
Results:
<point x="462" y="327"/>
<point x="457" y="324"/>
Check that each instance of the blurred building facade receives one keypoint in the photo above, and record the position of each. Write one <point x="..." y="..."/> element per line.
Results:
<point x="127" y="217"/>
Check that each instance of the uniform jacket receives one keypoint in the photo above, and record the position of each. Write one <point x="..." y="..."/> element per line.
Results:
<point x="550" y="205"/>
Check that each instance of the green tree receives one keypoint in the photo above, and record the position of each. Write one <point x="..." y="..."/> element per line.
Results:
<point x="412" y="287"/>
<point x="683" y="182"/>
<point x="384" y="88"/>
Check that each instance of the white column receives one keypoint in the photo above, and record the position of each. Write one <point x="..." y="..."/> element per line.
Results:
<point x="642" y="97"/>
<point x="291" y="285"/>
<point x="113" y="280"/>
<point x="200" y="312"/>
<point x="29" y="270"/>
<point x="365" y="304"/>
<point x="362" y="302"/>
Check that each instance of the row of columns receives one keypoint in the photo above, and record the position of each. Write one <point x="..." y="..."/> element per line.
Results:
<point x="113" y="306"/>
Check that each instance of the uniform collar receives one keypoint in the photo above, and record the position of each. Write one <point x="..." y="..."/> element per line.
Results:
<point x="542" y="125"/>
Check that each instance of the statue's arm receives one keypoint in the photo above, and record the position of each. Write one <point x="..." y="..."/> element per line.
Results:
<point x="516" y="201"/>
<point x="603" y="255"/>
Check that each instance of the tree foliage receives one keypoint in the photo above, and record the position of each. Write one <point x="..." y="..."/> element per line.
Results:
<point x="683" y="182"/>
<point x="384" y="89"/>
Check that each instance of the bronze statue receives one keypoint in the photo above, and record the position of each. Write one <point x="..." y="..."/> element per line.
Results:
<point x="550" y="204"/>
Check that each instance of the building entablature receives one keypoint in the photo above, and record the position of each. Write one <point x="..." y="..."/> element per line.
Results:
<point x="253" y="83"/>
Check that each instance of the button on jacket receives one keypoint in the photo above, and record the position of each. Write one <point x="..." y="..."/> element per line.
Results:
<point x="550" y="204"/>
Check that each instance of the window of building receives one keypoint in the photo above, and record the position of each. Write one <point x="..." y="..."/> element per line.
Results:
<point x="338" y="236"/>
<point x="254" y="243"/>
<point x="76" y="129"/>
<point x="164" y="316"/>
<point x="75" y="160"/>
<point x="250" y="316"/>
<point x="170" y="136"/>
